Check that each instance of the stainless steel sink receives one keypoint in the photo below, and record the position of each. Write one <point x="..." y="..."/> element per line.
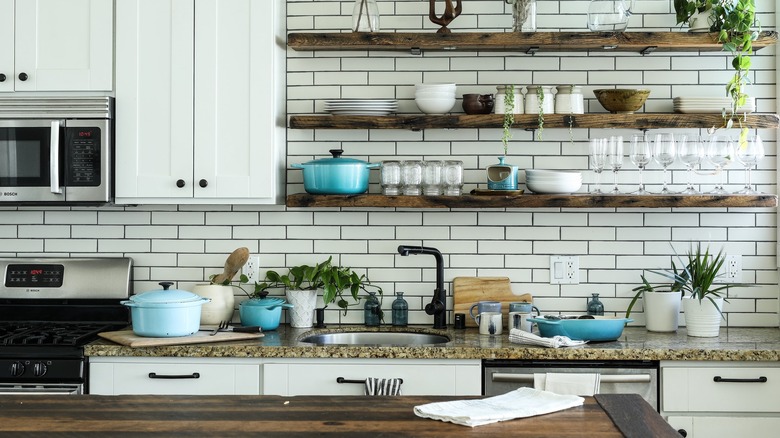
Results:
<point x="375" y="338"/>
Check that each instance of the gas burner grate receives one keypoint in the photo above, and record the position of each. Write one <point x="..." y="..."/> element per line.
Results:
<point x="77" y="334"/>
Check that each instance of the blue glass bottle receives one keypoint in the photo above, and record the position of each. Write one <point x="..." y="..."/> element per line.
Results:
<point x="400" y="310"/>
<point x="595" y="307"/>
<point x="372" y="313"/>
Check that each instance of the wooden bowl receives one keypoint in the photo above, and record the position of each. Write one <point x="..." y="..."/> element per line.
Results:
<point x="624" y="101"/>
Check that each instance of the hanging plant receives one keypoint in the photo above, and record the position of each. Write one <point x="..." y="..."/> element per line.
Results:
<point x="509" y="116"/>
<point x="540" y="95"/>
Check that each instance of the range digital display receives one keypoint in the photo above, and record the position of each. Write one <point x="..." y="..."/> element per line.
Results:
<point x="27" y="275"/>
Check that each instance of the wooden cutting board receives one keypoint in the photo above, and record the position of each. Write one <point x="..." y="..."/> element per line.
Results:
<point x="127" y="337"/>
<point x="468" y="291"/>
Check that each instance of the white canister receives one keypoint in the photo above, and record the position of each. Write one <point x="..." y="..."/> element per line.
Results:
<point x="569" y="100"/>
<point x="500" y="105"/>
<point x="532" y="100"/>
<point x="221" y="306"/>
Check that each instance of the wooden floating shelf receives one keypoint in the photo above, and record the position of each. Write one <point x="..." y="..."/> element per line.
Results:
<point x="534" y="201"/>
<point x="527" y="121"/>
<point x="531" y="43"/>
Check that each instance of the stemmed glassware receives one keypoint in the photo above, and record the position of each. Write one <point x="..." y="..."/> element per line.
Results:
<point x="640" y="155"/>
<point x="720" y="152"/>
<point x="691" y="154"/>
<point x="748" y="154"/>
<point x="615" y="158"/>
<point x="598" y="158"/>
<point x="664" y="153"/>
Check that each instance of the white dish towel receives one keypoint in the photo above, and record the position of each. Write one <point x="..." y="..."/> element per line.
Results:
<point x="377" y="386"/>
<point x="520" y="403"/>
<point x="585" y="384"/>
<point x="518" y="336"/>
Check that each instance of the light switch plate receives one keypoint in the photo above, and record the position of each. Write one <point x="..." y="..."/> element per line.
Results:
<point x="564" y="270"/>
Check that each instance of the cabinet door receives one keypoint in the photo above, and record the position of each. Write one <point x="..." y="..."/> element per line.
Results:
<point x="238" y="81"/>
<point x="7" y="45"/>
<point x="63" y="45"/>
<point x="727" y="426"/>
<point x="154" y="98"/>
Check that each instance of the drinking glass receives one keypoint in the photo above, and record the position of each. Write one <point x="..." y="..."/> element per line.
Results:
<point x="749" y="153"/>
<point x="432" y="177"/>
<point x="691" y="154"/>
<point x="720" y="152"/>
<point x="598" y="158"/>
<point x="452" y="175"/>
<point x="391" y="177"/>
<point x="411" y="177"/>
<point x="664" y="153"/>
<point x="640" y="155"/>
<point x="615" y="158"/>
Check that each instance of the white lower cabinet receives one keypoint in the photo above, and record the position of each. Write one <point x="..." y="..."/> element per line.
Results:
<point x="722" y="399"/>
<point x="290" y="377"/>
<point x="174" y="376"/>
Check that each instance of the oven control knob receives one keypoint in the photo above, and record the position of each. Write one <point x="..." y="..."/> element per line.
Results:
<point x="39" y="369"/>
<point x="17" y="369"/>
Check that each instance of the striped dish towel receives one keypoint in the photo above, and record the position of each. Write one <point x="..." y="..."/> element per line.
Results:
<point x="377" y="386"/>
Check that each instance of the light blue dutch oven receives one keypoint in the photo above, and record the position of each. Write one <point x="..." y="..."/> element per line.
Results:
<point x="165" y="313"/>
<point x="336" y="175"/>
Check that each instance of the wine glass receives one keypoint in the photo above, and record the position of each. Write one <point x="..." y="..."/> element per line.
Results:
<point x="615" y="158"/>
<point x="749" y="153"/>
<point x="664" y="153"/>
<point x="598" y="158"/>
<point x="640" y="155"/>
<point x="691" y="154"/>
<point x="720" y="152"/>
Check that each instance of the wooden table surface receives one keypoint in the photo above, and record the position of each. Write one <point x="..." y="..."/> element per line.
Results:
<point x="228" y="416"/>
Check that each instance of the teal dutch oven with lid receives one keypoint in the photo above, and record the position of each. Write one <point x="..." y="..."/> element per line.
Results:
<point x="336" y="175"/>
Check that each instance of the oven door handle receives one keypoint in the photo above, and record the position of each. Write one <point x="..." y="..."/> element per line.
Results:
<point x="605" y="378"/>
<point x="54" y="157"/>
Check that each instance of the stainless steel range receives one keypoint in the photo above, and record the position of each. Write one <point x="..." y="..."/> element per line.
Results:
<point x="49" y="309"/>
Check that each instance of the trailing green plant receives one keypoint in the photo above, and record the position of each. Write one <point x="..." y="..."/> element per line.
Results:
<point x="509" y="116"/>
<point x="540" y="95"/>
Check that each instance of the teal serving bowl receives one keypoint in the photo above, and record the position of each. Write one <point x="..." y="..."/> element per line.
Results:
<point x="601" y="328"/>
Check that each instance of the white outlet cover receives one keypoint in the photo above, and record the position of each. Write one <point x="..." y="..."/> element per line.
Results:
<point x="252" y="269"/>
<point x="564" y="270"/>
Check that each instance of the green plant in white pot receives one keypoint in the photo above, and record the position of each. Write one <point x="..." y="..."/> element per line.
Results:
<point x="661" y="304"/>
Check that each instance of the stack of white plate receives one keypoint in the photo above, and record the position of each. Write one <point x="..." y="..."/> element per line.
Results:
<point x="553" y="181"/>
<point x="435" y="98"/>
<point x="710" y="105"/>
<point x="361" y="107"/>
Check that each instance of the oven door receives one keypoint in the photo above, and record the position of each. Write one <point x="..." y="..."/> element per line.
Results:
<point x="30" y="160"/>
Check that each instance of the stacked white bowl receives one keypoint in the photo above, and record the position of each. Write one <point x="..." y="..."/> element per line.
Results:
<point x="434" y="98"/>
<point x="553" y="181"/>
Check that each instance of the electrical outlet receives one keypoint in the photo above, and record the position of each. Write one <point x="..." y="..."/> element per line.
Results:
<point x="564" y="270"/>
<point x="252" y="269"/>
<point x="732" y="269"/>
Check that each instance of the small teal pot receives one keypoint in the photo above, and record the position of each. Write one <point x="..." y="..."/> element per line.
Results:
<point x="264" y="313"/>
<point x="502" y="176"/>
<point x="336" y="176"/>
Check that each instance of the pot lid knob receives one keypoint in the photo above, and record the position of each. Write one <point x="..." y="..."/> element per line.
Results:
<point x="165" y="284"/>
<point x="336" y="152"/>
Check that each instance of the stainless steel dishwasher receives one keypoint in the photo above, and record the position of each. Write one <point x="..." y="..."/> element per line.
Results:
<point x="617" y="377"/>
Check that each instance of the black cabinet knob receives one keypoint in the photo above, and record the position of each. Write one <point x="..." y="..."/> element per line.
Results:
<point x="683" y="432"/>
<point x="180" y="183"/>
<point x="2" y="77"/>
<point x="203" y="183"/>
<point x="23" y="76"/>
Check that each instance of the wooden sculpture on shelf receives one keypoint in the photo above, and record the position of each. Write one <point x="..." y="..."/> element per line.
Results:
<point x="450" y="14"/>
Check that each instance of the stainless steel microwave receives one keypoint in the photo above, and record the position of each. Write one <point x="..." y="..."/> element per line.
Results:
<point x="56" y="150"/>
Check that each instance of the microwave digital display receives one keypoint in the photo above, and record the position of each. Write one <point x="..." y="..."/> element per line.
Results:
<point x="83" y="157"/>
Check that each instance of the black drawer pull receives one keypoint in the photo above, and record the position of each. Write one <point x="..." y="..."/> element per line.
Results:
<point x="174" y="376"/>
<point x="343" y="380"/>
<point x="720" y="379"/>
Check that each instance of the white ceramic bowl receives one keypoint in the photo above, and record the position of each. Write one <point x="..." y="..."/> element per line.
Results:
<point x="434" y="95"/>
<point x="436" y="86"/>
<point x="553" y="187"/>
<point x="547" y="173"/>
<point x="435" y="106"/>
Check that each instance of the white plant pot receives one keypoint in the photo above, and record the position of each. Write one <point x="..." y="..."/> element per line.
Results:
<point x="221" y="306"/>
<point x="302" y="313"/>
<point x="699" y="22"/>
<point x="702" y="318"/>
<point x="662" y="311"/>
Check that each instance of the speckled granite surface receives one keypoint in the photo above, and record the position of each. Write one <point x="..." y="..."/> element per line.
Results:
<point x="737" y="344"/>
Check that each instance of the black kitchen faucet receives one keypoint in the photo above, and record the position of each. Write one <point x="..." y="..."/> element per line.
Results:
<point x="437" y="306"/>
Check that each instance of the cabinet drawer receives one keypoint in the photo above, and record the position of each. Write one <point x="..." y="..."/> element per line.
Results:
<point x="174" y="378"/>
<point x="727" y="426"/>
<point x="721" y="389"/>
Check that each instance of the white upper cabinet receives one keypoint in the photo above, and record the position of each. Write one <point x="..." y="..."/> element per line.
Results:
<point x="56" y="45"/>
<point x="200" y="101"/>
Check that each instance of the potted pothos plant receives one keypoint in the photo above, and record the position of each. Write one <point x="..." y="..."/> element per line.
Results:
<point x="733" y="21"/>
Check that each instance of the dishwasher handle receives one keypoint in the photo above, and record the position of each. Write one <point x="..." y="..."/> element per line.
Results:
<point x="605" y="378"/>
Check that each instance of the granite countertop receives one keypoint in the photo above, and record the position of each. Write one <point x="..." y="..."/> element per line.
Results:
<point x="737" y="344"/>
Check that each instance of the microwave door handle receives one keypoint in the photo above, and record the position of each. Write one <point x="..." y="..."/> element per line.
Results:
<point x="54" y="157"/>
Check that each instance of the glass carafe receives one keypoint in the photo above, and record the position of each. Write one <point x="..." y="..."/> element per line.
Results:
<point x="609" y="15"/>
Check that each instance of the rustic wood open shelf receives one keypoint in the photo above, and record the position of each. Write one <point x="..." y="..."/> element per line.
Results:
<point x="526" y="121"/>
<point x="533" y="201"/>
<point x="535" y="42"/>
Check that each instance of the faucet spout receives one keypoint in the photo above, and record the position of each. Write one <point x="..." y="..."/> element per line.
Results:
<point x="437" y="307"/>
